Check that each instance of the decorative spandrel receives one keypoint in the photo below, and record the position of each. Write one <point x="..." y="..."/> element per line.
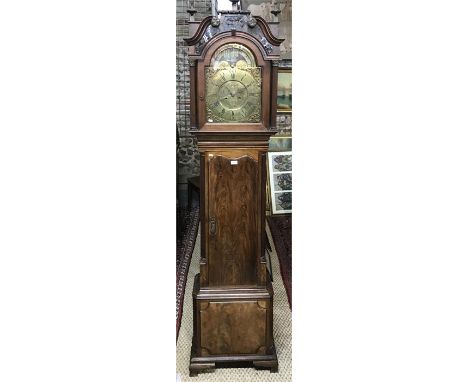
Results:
<point x="233" y="94"/>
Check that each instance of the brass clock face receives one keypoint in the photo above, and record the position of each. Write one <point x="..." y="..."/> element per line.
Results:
<point x="233" y="86"/>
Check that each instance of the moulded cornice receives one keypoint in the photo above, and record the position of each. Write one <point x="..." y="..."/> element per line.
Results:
<point x="243" y="27"/>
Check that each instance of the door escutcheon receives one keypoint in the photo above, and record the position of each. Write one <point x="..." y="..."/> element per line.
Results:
<point x="212" y="226"/>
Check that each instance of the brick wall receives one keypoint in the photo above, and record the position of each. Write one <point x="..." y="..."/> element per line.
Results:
<point x="188" y="156"/>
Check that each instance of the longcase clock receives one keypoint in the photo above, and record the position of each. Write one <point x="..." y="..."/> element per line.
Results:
<point x="233" y="75"/>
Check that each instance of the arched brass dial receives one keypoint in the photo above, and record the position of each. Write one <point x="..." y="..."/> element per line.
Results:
<point x="233" y="88"/>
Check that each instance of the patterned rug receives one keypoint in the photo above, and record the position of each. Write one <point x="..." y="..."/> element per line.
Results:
<point x="280" y="227"/>
<point x="281" y="334"/>
<point x="188" y="220"/>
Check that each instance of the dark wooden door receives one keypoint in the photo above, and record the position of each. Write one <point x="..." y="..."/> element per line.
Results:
<point x="232" y="225"/>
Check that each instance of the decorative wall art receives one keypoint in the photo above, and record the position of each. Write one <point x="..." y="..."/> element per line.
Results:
<point x="280" y="143"/>
<point x="284" y="96"/>
<point x="280" y="176"/>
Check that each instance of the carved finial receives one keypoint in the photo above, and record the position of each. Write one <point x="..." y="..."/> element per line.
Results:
<point x="275" y="12"/>
<point x="191" y="12"/>
<point x="234" y="4"/>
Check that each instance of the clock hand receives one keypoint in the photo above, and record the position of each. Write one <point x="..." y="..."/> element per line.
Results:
<point x="237" y="92"/>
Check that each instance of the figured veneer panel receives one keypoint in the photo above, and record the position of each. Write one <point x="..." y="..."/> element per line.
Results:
<point x="233" y="211"/>
<point x="224" y="329"/>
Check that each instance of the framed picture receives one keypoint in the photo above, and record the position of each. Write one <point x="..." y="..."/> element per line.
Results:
<point x="280" y="181"/>
<point x="280" y="143"/>
<point x="284" y="95"/>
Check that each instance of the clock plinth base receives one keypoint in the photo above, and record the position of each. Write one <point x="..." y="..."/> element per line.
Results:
<point x="201" y="364"/>
<point x="233" y="327"/>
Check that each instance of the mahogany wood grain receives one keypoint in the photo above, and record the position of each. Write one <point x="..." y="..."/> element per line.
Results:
<point x="193" y="98"/>
<point x="225" y="332"/>
<point x="233" y="208"/>
<point x="274" y="95"/>
<point x="232" y="326"/>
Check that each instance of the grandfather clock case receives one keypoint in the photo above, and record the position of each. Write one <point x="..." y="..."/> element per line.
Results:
<point x="233" y="75"/>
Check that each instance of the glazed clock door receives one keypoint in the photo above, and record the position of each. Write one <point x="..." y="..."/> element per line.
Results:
<point x="232" y="224"/>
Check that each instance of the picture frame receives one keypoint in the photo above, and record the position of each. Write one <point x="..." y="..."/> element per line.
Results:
<point x="280" y="143"/>
<point x="284" y="91"/>
<point x="280" y="181"/>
